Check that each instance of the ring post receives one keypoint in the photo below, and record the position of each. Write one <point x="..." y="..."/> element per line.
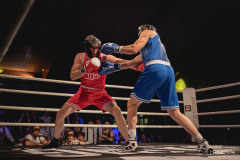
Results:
<point x="190" y="105"/>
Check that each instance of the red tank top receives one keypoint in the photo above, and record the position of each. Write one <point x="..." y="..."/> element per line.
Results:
<point x="93" y="80"/>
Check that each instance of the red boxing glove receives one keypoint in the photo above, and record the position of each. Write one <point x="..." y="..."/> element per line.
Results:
<point x="140" y="67"/>
<point x="92" y="65"/>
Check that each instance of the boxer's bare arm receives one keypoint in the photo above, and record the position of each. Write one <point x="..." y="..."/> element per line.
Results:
<point x="112" y="59"/>
<point x="75" y="70"/>
<point x="139" y="43"/>
<point x="132" y="63"/>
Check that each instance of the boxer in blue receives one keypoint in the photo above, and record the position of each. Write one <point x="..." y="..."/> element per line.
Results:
<point x="157" y="77"/>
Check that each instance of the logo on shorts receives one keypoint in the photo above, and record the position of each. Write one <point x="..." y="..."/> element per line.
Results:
<point x="91" y="76"/>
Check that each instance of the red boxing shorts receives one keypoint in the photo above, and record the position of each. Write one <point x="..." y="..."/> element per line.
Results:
<point x="86" y="97"/>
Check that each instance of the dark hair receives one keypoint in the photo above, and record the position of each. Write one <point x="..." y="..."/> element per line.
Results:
<point x="83" y="134"/>
<point x="32" y="128"/>
<point x="70" y="131"/>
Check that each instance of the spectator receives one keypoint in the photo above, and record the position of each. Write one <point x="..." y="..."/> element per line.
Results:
<point x="144" y="139"/>
<point x="80" y="137"/>
<point x="19" y="132"/>
<point x="121" y="138"/>
<point x="46" y="118"/>
<point x="35" y="138"/>
<point x="70" y="140"/>
<point x="115" y="135"/>
<point x="98" y="121"/>
<point x="76" y="118"/>
<point x="90" y="134"/>
<point x="45" y="130"/>
<point x="34" y="118"/>
<point x="65" y="135"/>
<point x="5" y="136"/>
<point x="106" y="136"/>
<point x="76" y="130"/>
<point x="99" y="129"/>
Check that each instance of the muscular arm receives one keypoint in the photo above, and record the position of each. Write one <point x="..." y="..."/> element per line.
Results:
<point x="132" y="63"/>
<point x="75" y="71"/>
<point x="139" y="43"/>
<point x="112" y="59"/>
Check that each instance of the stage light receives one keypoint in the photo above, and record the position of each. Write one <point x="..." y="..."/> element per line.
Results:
<point x="1" y="69"/>
<point x="180" y="85"/>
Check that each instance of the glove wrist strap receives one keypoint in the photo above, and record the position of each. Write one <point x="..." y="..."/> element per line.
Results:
<point x="82" y="70"/>
<point x="118" y="49"/>
<point x="117" y="67"/>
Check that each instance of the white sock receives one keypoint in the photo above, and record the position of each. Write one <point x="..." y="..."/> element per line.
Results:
<point x="198" y="138"/>
<point x="132" y="135"/>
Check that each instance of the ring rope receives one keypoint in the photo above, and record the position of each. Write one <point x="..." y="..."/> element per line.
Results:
<point x="100" y="112"/>
<point x="59" y="81"/>
<point x="62" y="94"/>
<point x="217" y="87"/>
<point x="111" y="126"/>
<point x="84" y="125"/>
<point x="218" y="112"/>
<point x="62" y="81"/>
<point x="219" y="98"/>
<point x="82" y="111"/>
<point x="219" y="126"/>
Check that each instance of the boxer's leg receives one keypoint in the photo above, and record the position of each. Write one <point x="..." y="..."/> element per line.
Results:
<point x="66" y="110"/>
<point x="132" y="106"/>
<point x="114" y="109"/>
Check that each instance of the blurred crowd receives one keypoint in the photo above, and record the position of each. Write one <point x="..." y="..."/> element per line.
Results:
<point x="36" y="135"/>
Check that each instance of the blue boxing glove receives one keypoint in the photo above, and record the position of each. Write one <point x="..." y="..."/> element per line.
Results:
<point x="108" y="68"/>
<point x="109" y="48"/>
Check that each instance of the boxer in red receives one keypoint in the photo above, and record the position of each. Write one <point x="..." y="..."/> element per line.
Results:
<point x="92" y="90"/>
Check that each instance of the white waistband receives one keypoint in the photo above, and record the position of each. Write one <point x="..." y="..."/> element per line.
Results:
<point x="90" y="88"/>
<point x="158" y="61"/>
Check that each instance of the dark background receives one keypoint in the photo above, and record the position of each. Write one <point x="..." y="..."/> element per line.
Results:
<point x="201" y="38"/>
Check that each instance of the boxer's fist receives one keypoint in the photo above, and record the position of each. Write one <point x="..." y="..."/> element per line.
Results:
<point x="140" y="67"/>
<point x="108" y="68"/>
<point x="91" y="65"/>
<point x="109" y="48"/>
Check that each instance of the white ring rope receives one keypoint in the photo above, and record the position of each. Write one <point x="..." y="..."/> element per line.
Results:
<point x="217" y="87"/>
<point x="62" y="94"/>
<point x="111" y="126"/>
<point x="63" y="82"/>
<point x="82" y="111"/>
<point x="219" y="112"/>
<point x="116" y="98"/>
<point x="219" y="126"/>
<point x="219" y="98"/>
<point x="84" y="125"/>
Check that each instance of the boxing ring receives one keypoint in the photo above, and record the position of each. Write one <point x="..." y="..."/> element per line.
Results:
<point x="150" y="150"/>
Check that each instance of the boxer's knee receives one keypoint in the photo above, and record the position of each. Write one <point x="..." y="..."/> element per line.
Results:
<point x="65" y="111"/>
<point x="116" y="110"/>
<point x="113" y="109"/>
<point x="59" y="115"/>
<point x="133" y="103"/>
<point x="174" y="113"/>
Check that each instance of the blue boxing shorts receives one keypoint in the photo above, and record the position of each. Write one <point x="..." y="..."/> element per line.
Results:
<point x="157" y="78"/>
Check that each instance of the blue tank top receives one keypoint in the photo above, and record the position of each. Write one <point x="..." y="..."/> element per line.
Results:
<point x="154" y="50"/>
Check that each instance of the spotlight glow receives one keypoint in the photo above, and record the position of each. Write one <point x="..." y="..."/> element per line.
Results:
<point x="180" y="85"/>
